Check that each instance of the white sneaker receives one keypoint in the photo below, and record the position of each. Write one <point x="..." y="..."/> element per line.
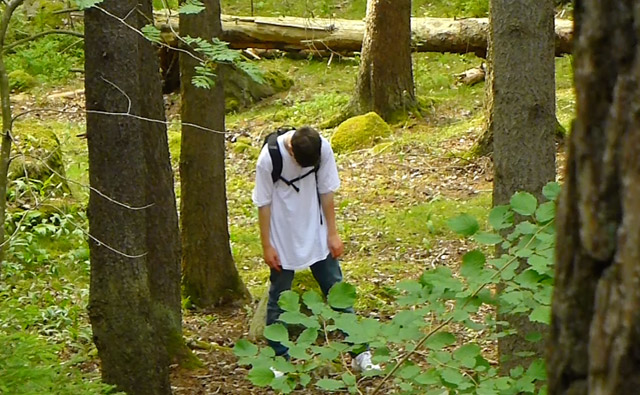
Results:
<point x="362" y="362"/>
<point x="276" y="373"/>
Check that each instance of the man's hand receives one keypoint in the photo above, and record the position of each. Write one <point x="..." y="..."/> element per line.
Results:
<point x="336" y="247"/>
<point x="271" y="258"/>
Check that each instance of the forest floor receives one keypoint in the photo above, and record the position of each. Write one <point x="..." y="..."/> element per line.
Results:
<point x="392" y="207"/>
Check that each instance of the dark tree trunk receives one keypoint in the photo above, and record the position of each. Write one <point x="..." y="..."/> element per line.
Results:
<point x="595" y="340"/>
<point x="385" y="78"/>
<point x="210" y="275"/>
<point x="521" y="116"/>
<point x="134" y="296"/>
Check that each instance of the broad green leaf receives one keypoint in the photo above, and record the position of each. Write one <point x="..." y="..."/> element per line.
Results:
<point x="305" y="379"/>
<point x="488" y="238"/>
<point x="537" y="370"/>
<point x="283" y="385"/>
<point x="526" y="228"/>
<point x="472" y="264"/>
<point x="244" y="348"/>
<point x="342" y="295"/>
<point x="313" y="300"/>
<point x="191" y="7"/>
<point x="523" y="203"/>
<point x="261" y="376"/>
<point x="501" y="217"/>
<point x="276" y="332"/>
<point x="552" y="190"/>
<point x="84" y="4"/>
<point x="467" y="355"/>
<point x="541" y="314"/>
<point x="440" y="340"/>
<point x="464" y="225"/>
<point x="289" y="301"/>
<point x="430" y="377"/>
<point x="330" y="384"/>
<point x="546" y="212"/>
<point x="540" y="264"/>
<point x="349" y="379"/>
<point x="533" y="337"/>
<point x="516" y="372"/>
<point x="299" y="352"/>
<point x="452" y="376"/>
<point x="308" y="336"/>
<point x="409" y="371"/>
<point x="281" y="364"/>
<point x="410" y="286"/>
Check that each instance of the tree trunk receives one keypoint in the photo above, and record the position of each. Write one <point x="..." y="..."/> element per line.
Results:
<point x="134" y="292"/>
<point x="385" y="78"/>
<point x="343" y="35"/>
<point x="522" y="118"/>
<point x="595" y="342"/>
<point x="210" y="275"/>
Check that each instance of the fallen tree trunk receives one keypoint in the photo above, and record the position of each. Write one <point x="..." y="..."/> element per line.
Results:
<point x="344" y="36"/>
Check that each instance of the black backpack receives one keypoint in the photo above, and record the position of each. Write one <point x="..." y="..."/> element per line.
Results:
<point x="276" y="159"/>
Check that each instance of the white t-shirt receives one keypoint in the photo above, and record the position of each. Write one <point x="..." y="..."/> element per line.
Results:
<point x="296" y="233"/>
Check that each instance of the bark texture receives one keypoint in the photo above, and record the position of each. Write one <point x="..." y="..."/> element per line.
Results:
<point x="522" y="117"/>
<point x="134" y="292"/>
<point x="343" y="35"/>
<point x="595" y="341"/>
<point x="210" y="275"/>
<point x="385" y="78"/>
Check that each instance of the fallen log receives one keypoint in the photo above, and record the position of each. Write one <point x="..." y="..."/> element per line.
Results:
<point x="344" y="36"/>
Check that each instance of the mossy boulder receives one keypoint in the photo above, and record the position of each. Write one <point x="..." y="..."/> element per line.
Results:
<point x="362" y="131"/>
<point x="20" y="81"/>
<point x="241" y="91"/>
<point x="38" y="156"/>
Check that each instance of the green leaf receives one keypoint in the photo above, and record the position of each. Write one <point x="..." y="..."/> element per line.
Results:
<point x="314" y="301"/>
<point x="330" y="384"/>
<point x="305" y="379"/>
<point x="152" y="33"/>
<point x="537" y="370"/>
<point x="342" y="295"/>
<point x="440" y="340"/>
<point x="551" y="191"/>
<point x="467" y="355"/>
<point x="488" y="238"/>
<point x="276" y="332"/>
<point x="464" y="225"/>
<point x="84" y="4"/>
<point x="308" y="336"/>
<point x="524" y="203"/>
<point x="289" y="301"/>
<point x="516" y="372"/>
<point x="299" y="352"/>
<point x="452" y="376"/>
<point x="261" y="376"/>
<point x="409" y="371"/>
<point x="501" y="217"/>
<point x="191" y="7"/>
<point x="533" y="337"/>
<point x="546" y="212"/>
<point x="430" y="377"/>
<point x="244" y="348"/>
<point x="541" y="314"/>
<point x="472" y="264"/>
<point x="348" y="379"/>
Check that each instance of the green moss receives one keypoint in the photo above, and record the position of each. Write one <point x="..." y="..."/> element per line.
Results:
<point x="362" y="131"/>
<point x="39" y="157"/>
<point x="20" y="81"/>
<point x="278" y="80"/>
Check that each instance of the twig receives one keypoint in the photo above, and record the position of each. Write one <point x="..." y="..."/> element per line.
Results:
<point x="42" y="34"/>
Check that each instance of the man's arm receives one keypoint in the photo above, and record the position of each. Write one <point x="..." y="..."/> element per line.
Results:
<point x="269" y="253"/>
<point x="336" y="247"/>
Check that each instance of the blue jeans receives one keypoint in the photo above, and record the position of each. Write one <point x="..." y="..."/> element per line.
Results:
<point x="326" y="272"/>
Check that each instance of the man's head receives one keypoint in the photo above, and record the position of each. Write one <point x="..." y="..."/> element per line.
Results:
<point x="306" y="144"/>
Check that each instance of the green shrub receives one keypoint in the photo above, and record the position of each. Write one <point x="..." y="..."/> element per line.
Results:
<point x="20" y="81"/>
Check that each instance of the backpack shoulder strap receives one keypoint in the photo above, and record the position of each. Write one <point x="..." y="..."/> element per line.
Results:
<point x="276" y="156"/>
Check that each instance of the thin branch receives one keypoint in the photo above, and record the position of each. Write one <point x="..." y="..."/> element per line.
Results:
<point x="42" y="34"/>
<point x="119" y="90"/>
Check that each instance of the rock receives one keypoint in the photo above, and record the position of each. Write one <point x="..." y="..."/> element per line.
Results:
<point x="38" y="156"/>
<point x="362" y="131"/>
<point x="241" y="91"/>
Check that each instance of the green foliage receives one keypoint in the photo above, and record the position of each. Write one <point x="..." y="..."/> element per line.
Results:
<point x="426" y="313"/>
<point x="20" y="81"/>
